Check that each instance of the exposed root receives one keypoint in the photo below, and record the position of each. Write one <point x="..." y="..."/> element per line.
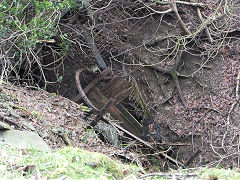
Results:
<point x="182" y="25"/>
<point x="236" y="100"/>
<point x="173" y="72"/>
<point x="210" y="39"/>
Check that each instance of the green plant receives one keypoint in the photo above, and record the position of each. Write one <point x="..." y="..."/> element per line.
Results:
<point x="159" y="2"/>
<point x="65" y="44"/>
<point x="24" y="24"/>
<point x="37" y="115"/>
<point x="85" y="109"/>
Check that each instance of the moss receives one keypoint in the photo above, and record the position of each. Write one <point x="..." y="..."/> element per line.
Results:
<point x="69" y="162"/>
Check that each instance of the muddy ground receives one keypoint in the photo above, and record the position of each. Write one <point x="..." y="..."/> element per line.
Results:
<point x="126" y="34"/>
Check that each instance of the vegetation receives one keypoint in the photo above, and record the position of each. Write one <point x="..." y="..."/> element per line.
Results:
<point x="220" y="173"/>
<point x="73" y="163"/>
<point x="68" y="163"/>
<point x="24" y="26"/>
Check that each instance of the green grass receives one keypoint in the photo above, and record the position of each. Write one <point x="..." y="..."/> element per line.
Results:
<point x="70" y="163"/>
<point x="221" y="173"/>
<point x="74" y="163"/>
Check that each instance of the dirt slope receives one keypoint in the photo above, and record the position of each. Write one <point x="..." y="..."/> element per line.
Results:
<point x="57" y="120"/>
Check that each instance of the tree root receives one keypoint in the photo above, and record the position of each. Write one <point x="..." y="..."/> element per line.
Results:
<point x="181" y="23"/>
<point x="236" y="101"/>
<point x="210" y="39"/>
<point x="173" y="72"/>
<point x="187" y="3"/>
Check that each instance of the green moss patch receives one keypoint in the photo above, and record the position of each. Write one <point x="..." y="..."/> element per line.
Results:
<point x="67" y="163"/>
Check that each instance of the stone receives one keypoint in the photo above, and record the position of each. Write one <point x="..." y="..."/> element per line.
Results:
<point x="24" y="140"/>
<point x="108" y="132"/>
<point x="28" y="125"/>
<point x="4" y="126"/>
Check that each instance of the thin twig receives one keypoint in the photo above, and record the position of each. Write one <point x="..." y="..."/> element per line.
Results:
<point x="169" y="175"/>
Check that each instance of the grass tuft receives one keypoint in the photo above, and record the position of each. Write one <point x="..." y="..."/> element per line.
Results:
<point x="69" y="162"/>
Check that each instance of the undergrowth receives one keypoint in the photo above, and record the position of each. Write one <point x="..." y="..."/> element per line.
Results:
<point x="25" y="26"/>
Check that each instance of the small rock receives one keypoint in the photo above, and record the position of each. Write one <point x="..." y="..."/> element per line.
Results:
<point x="92" y="164"/>
<point x="4" y="126"/>
<point x="24" y="140"/>
<point x="108" y="132"/>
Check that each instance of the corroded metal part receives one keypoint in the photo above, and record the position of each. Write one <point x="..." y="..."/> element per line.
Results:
<point x="108" y="99"/>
